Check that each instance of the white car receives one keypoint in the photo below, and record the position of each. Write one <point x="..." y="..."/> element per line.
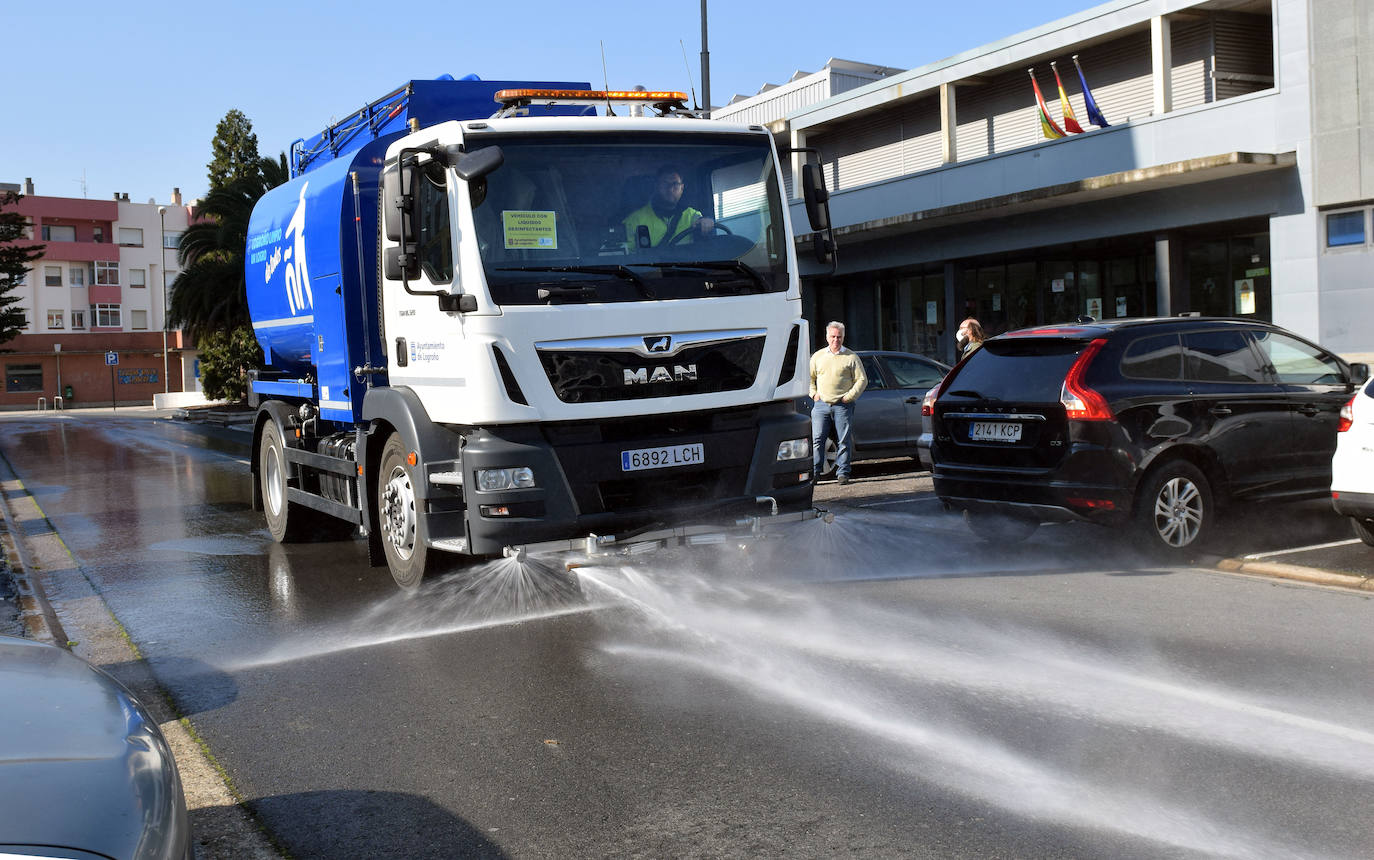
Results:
<point x="1352" y="466"/>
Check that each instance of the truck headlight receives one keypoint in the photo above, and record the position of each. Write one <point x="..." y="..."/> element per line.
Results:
<point x="794" y="449"/>
<point x="491" y="480"/>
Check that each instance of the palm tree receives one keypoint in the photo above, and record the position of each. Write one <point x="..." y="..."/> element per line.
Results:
<point x="210" y="294"/>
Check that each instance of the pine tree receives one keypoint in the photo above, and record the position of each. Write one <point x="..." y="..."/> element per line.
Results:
<point x="234" y="150"/>
<point x="15" y="262"/>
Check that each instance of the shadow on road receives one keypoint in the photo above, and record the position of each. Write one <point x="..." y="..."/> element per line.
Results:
<point x="373" y="824"/>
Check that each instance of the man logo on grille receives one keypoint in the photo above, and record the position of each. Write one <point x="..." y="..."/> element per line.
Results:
<point x="658" y="344"/>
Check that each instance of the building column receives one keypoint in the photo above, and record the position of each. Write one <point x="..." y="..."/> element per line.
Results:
<point x="1162" y="64"/>
<point x="949" y="124"/>
<point x="954" y="312"/>
<point x="1171" y="282"/>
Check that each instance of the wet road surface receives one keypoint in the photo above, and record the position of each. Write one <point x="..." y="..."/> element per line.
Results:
<point x="884" y="686"/>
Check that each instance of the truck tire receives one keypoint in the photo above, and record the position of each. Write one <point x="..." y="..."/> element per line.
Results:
<point x="288" y="523"/>
<point x="398" y="517"/>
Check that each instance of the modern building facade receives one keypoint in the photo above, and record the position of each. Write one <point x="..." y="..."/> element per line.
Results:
<point x="1235" y="177"/>
<point x="101" y="288"/>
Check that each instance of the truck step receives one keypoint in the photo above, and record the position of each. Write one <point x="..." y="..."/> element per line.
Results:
<point x="451" y="544"/>
<point x="452" y="479"/>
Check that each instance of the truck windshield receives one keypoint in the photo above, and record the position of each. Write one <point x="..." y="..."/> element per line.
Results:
<point x="630" y="217"/>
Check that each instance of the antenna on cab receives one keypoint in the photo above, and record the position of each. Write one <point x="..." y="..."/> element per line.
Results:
<point x="691" y="84"/>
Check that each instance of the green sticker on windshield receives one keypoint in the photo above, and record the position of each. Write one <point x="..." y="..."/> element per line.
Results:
<point x="526" y="228"/>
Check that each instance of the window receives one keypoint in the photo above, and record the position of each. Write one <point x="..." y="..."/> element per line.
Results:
<point x="78" y="319"/>
<point x="28" y="228"/>
<point x="23" y="377"/>
<point x="1296" y="362"/>
<point x="52" y="276"/>
<point x="98" y="233"/>
<point x="55" y="319"/>
<point x="1221" y="356"/>
<point x="1155" y="357"/>
<point x="1344" y="229"/>
<point x="105" y="316"/>
<point x="138" y="278"/>
<point x="171" y="240"/>
<point x="107" y="273"/>
<point x="138" y="320"/>
<point x="911" y="373"/>
<point x="58" y="233"/>
<point x="76" y="276"/>
<point x="131" y="236"/>
<point x="873" y="372"/>
<point x="436" y="245"/>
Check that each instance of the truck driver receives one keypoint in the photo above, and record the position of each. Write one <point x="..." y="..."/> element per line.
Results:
<point x="665" y="216"/>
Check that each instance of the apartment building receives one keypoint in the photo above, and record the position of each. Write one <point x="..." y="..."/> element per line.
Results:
<point x="95" y="304"/>
<point x="1234" y="176"/>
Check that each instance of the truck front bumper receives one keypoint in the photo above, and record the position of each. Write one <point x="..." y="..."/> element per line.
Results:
<point x="582" y="487"/>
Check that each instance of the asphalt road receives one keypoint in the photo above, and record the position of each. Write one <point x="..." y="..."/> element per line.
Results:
<point x="880" y="686"/>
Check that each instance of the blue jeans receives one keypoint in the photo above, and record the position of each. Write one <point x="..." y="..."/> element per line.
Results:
<point x="823" y="416"/>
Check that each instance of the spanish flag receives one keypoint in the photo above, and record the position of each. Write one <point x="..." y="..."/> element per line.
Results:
<point x="1047" y="126"/>
<point x="1070" y="121"/>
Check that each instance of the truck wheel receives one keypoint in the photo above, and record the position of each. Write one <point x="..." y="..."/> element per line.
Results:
<point x="1174" y="510"/>
<point x="403" y="530"/>
<point x="1364" y="530"/>
<point x="288" y="523"/>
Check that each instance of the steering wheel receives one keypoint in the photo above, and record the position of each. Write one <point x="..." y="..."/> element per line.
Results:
<point x="693" y="229"/>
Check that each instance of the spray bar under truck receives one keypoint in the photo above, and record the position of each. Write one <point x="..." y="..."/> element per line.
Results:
<point x="479" y="340"/>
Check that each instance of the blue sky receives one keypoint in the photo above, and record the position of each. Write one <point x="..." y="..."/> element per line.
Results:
<point x="128" y="95"/>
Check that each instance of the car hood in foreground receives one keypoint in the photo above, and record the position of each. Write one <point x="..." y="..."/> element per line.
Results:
<point x="82" y="764"/>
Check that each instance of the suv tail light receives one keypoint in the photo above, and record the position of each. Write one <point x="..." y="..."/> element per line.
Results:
<point x="928" y="402"/>
<point x="1082" y="403"/>
<point x="1347" y="415"/>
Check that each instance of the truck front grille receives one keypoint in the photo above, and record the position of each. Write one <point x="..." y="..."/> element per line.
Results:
<point x="580" y="376"/>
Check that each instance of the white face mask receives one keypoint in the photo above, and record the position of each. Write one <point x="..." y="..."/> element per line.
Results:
<point x="961" y="337"/>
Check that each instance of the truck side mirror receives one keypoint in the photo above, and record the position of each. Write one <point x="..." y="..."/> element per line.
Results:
<point x="816" y="197"/>
<point x="396" y="200"/>
<point x="822" y="248"/>
<point x="401" y="261"/>
<point x="478" y="163"/>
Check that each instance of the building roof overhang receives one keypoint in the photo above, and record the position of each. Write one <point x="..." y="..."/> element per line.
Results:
<point x="1124" y="183"/>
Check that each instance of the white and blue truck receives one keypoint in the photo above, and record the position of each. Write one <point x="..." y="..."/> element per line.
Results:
<point x="472" y="349"/>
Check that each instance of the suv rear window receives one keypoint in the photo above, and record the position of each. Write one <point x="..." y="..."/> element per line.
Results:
<point x="1158" y="356"/>
<point x="1024" y="369"/>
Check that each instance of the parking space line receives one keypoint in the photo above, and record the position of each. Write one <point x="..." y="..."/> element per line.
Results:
<point x="897" y="502"/>
<point x="1258" y="555"/>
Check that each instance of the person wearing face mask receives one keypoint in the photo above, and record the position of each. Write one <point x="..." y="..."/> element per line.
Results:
<point x="970" y="337"/>
<point x="837" y="380"/>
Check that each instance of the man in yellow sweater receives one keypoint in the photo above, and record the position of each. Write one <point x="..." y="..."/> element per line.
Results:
<point x="837" y="380"/>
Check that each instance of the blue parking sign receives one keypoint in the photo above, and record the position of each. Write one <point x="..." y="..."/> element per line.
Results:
<point x="112" y="357"/>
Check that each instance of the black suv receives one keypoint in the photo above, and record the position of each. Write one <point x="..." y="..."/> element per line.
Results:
<point x="1151" y="421"/>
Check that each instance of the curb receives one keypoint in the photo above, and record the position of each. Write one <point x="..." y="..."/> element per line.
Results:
<point x="1296" y="572"/>
<point x="57" y="601"/>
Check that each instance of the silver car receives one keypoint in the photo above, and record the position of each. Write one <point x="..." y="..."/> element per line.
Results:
<point x="84" y="770"/>
<point x="887" y="418"/>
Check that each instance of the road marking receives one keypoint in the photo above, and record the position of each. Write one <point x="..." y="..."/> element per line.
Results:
<point x="896" y="502"/>
<point x="1331" y="545"/>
